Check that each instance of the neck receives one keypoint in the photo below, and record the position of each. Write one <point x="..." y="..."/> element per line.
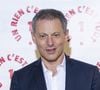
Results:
<point x="52" y="66"/>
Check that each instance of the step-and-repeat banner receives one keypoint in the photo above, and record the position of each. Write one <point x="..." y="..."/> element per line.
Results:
<point x="16" y="47"/>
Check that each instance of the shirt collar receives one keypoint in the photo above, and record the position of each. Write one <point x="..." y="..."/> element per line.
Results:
<point x="62" y="65"/>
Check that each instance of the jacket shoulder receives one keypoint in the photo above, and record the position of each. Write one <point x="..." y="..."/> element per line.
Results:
<point x="82" y="65"/>
<point x="29" y="68"/>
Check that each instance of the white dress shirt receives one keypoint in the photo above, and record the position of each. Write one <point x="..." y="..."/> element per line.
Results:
<point x="56" y="82"/>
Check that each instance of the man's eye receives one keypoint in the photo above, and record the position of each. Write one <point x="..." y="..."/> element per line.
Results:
<point x="42" y="36"/>
<point x="56" y="35"/>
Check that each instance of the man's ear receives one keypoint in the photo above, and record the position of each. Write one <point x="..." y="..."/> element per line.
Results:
<point x="33" y="37"/>
<point x="67" y="35"/>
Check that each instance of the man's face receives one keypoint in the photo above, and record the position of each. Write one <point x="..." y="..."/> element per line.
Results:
<point x="50" y="39"/>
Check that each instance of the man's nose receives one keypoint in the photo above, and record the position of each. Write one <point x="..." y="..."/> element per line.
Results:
<point x="50" y="41"/>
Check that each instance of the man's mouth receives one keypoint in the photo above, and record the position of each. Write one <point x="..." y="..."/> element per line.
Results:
<point x="51" y="50"/>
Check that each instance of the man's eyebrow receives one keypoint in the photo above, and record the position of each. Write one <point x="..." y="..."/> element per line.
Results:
<point x="41" y="33"/>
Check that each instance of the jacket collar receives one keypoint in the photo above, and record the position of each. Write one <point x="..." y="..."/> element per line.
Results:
<point x="39" y="76"/>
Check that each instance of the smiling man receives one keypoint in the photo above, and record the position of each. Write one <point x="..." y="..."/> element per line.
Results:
<point x="54" y="70"/>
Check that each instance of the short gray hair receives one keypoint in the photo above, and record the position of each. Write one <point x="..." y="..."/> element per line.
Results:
<point x="49" y="14"/>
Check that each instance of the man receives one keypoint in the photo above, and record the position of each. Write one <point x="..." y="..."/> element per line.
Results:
<point x="54" y="70"/>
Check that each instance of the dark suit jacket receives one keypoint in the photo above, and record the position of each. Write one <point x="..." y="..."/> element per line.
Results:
<point x="79" y="76"/>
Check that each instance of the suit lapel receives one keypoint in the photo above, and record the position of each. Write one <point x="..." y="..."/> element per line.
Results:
<point x="68" y="73"/>
<point x="71" y="75"/>
<point x="39" y="77"/>
<point x="40" y="80"/>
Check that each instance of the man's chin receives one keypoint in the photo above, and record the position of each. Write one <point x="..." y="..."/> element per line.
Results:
<point x="51" y="58"/>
